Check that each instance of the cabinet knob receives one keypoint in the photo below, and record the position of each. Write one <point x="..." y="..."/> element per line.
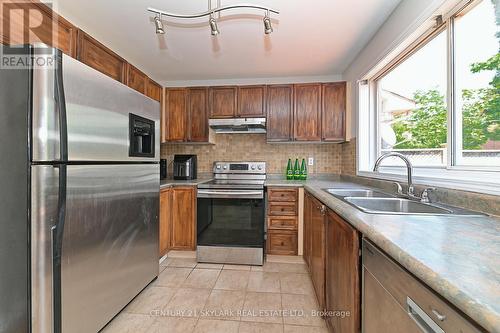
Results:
<point x="282" y="243"/>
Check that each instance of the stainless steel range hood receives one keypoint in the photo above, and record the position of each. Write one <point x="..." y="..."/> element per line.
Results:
<point x="238" y="125"/>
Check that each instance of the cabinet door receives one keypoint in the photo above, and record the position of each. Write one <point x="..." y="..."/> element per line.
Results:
<point x="342" y="274"/>
<point x="26" y="22"/>
<point x="99" y="57"/>
<point x="136" y="79"/>
<point x="223" y="102"/>
<point x="251" y="101"/>
<point x="165" y="220"/>
<point x="307" y="112"/>
<point x="381" y="312"/>
<point x="153" y="90"/>
<point x="318" y="250"/>
<point x="176" y="118"/>
<point x="183" y="218"/>
<point x="279" y="112"/>
<point x="198" y="114"/>
<point x="307" y="228"/>
<point x="333" y="111"/>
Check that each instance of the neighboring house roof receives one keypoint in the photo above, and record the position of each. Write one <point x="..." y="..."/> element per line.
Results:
<point x="396" y="103"/>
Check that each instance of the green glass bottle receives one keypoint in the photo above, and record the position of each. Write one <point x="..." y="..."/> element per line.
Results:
<point x="303" y="170"/>
<point x="296" y="170"/>
<point x="289" y="170"/>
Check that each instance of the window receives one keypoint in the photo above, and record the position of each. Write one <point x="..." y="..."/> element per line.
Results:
<point x="436" y="100"/>
<point x="438" y="103"/>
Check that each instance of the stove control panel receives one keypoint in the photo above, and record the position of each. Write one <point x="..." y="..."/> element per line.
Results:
<point x="240" y="167"/>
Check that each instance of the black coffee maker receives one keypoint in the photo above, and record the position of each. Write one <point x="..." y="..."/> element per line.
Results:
<point x="185" y="167"/>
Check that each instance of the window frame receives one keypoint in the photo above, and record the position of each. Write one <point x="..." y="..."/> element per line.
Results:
<point x="460" y="176"/>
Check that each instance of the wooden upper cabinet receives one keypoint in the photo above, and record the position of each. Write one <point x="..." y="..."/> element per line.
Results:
<point x="34" y="22"/>
<point x="153" y="90"/>
<point x="333" y="111"/>
<point x="99" y="57"/>
<point x="251" y="101"/>
<point x="197" y="108"/>
<point x="223" y="102"/>
<point x="184" y="218"/>
<point x="307" y="112"/>
<point x="279" y="112"/>
<point x="342" y="274"/>
<point x="136" y="79"/>
<point x="176" y="117"/>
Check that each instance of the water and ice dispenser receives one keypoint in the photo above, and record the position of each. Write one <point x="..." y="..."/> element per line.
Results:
<point x="142" y="136"/>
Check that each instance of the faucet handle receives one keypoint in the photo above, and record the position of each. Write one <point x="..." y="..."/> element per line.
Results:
<point x="424" y="197"/>
<point x="399" y="188"/>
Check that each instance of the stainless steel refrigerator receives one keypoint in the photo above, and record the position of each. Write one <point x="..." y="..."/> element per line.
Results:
<point x="79" y="196"/>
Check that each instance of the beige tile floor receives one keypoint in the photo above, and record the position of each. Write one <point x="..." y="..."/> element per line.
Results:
<point x="190" y="297"/>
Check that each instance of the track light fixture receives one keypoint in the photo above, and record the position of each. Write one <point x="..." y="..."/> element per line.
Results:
<point x="268" y="28"/>
<point x="211" y="21"/>
<point x="159" y="25"/>
<point x="213" y="26"/>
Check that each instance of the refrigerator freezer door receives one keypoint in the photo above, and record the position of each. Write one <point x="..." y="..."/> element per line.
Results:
<point x="44" y="217"/>
<point x="110" y="242"/>
<point x="97" y="111"/>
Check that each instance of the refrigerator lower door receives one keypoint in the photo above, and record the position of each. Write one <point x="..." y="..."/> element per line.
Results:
<point x="110" y="242"/>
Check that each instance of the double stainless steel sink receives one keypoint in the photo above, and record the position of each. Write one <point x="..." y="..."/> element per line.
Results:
<point x="377" y="202"/>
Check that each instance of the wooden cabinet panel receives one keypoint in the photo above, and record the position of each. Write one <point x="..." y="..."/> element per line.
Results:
<point x="99" y="57"/>
<point x="318" y="248"/>
<point x="251" y="101"/>
<point x="136" y="79"/>
<point x="381" y="312"/>
<point x="184" y="218"/>
<point x="165" y="220"/>
<point x="307" y="112"/>
<point x="282" y="194"/>
<point x="33" y="22"/>
<point x="282" y="222"/>
<point x="333" y="109"/>
<point x="153" y="90"/>
<point x="279" y="112"/>
<point x="282" y="208"/>
<point x="307" y="228"/>
<point x="342" y="274"/>
<point x="223" y="102"/>
<point x="176" y="117"/>
<point x="198" y="114"/>
<point x="282" y="242"/>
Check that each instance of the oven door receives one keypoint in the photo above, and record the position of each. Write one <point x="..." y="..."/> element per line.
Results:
<point x="231" y="218"/>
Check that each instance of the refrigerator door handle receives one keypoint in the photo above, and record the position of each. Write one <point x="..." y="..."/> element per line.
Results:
<point x="57" y="242"/>
<point x="60" y="101"/>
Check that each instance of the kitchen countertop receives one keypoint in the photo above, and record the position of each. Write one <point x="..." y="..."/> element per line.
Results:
<point x="165" y="183"/>
<point x="457" y="256"/>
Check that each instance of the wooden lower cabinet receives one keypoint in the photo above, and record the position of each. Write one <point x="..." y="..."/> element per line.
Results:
<point x="342" y="274"/>
<point x="184" y="218"/>
<point x="307" y="229"/>
<point x="282" y="242"/>
<point x="177" y="219"/>
<point x="318" y="248"/>
<point x="282" y="221"/>
<point x="165" y="220"/>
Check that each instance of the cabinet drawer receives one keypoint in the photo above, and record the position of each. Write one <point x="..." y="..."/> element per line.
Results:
<point x="407" y="289"/>
<point x="282" y="208"/>
<point x="282" y="222"/>
<point x="281" y="242"/>
<point x="282" y="194"/>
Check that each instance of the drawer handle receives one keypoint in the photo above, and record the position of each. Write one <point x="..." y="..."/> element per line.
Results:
<point x="282" y="243"/>
<point x="282" y="194"/>
<point x="439" y="316"/>
<point x="423" y="321"/>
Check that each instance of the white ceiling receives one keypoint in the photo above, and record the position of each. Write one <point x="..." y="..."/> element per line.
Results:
<point x="311" y="38"/>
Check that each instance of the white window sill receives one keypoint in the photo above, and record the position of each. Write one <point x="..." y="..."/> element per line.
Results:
<point x="487" y="182"/>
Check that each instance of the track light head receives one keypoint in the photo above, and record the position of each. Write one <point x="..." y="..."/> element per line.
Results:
<point x="268" y="28"/>
<point x="213" y="26"/>
<point x="159" y="25"/>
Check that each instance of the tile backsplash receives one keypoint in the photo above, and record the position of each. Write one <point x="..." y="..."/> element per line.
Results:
<point x="253" y="147"/>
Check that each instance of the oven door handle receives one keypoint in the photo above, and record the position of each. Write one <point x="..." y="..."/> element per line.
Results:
<point x="231" y="194"/>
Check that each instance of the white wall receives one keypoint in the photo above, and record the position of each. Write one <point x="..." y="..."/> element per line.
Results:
<point x="404" y="20"/>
